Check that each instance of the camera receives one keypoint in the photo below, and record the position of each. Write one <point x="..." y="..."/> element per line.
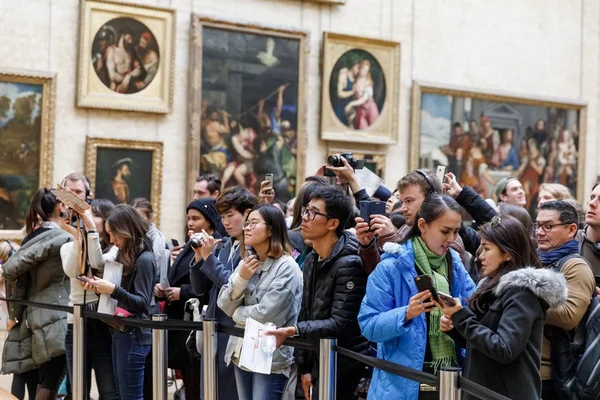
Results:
<point x="195" y="242"/>
<point x="335" y="160"/>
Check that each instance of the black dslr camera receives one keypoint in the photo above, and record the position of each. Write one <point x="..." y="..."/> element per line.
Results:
<point x="336" y="161"/>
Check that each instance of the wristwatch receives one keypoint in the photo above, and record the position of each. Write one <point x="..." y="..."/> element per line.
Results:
<point x="92" y="231"/>
<point x="296" y="331"/>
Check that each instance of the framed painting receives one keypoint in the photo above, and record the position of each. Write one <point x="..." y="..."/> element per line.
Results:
<point x="483" y="137"/>
<point x="122" y="170"/>
<point x="360" y="92"/>
<point x="27" y="101"/>
<point x="126" y="56"/>
<point x="247" y="107"/>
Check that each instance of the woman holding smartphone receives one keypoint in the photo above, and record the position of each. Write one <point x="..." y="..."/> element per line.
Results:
<point x="130" y="345"/>
<point x="266" y="286"/>
<point x="503" y="324"/>
<point x="403" y="321"/>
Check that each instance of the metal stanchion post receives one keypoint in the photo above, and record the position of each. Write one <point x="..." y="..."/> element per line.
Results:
<point x="78" y="384"/>
<point x="209" y="358"/>
<point x="448" y="386"/>
<point x="159" y="360"/>
<point x="327" y="369"/>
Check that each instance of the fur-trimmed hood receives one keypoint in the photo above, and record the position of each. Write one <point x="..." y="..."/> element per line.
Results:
<point x="547" y="284"/>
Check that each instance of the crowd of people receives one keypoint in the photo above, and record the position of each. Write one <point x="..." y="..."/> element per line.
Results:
<point x="506" y="292"/>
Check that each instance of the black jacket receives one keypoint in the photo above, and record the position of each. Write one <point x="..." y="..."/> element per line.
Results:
<point x="333" y="291"/>
<point x="480" y="211"/>
<point x="504" y="342"/>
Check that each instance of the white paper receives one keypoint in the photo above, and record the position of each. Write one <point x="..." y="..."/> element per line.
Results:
<point x="164" y="269"/>
<point x="368" y="180"/>
<point x="113" y="272"/>
<point x="253" y="357"/>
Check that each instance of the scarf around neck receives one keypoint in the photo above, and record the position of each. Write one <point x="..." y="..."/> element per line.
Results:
<point x="429" y="263"/>
<point x="552" y="256"/>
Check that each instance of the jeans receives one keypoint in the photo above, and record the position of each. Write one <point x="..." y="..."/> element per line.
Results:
<point x="255" y="386"/>
<point x="129" y="360"/>
<point x="98" y="355"/>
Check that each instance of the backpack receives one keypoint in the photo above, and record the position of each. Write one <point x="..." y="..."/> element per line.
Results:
<point x="575" y="356"/>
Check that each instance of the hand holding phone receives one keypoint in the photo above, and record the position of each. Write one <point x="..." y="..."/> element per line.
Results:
<point x="424" y="283"/>
<point x="446" y="299"/>
<point x="269" y="177"/>
<point x="83" y="278"/>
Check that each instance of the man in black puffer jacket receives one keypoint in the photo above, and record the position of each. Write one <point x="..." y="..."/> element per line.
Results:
<point x="334" y="285"/>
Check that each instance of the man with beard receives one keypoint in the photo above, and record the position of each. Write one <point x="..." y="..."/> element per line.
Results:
<point x="122" y="63"/>
<point x="149" y="59"/>
<point x="122" y="173"/>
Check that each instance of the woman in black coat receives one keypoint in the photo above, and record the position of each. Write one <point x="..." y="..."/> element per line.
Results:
<point x="503" y="325"/>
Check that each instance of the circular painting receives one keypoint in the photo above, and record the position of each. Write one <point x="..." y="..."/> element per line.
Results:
<point x="125" y="55"/>
<point x="357" y="89"/>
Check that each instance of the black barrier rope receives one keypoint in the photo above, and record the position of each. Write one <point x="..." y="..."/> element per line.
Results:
<point x="55" y="307"/>
<point x="175" y="325"/>
<point x="478" y="390"/>
<point x="239" y="332"/>
<point x="393" y="368"/>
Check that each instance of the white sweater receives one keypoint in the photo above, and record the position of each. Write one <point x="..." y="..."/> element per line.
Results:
<point x="70" y="253"/>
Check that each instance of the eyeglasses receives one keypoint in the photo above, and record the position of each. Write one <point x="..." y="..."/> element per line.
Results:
<point x="495" y="221"/>
<point x="252" y="224"/>
<point x="547" y="228"/>
<point x="312" y="214"/>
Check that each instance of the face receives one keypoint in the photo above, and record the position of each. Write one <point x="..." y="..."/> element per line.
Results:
<point x="201" y="190"/>
<point x="458" y="131"/>
<point x="125" y="171"/>
<point x="514" y="194"/>
<point x="364" y="70"/>
<point x="540" y="125"/>
<point x="508" y="136"/>
<point x="77" y="187"/>
<point x="355" y="69"/>
<point x="491" y="258"/>
<point x="439" y="234"/>
<point x="411" y="197"/>
<point x="256" y="232"/>
<point x="128" y="39"/>
<point x="115" y="238"/>
<point x="321" y="225"/>
<point x="143" y="43"/>
<point x="558" y="235"/>
<point x="389" y="204"/>
<point x="592" y="217"/>
<point x="233" y="221"/>
<point x="544" y="197"/>
<point x="196" y="221"/>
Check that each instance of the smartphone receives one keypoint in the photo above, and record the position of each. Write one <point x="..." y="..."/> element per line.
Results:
<point x="83" y="278"/>
<point x="250" y="251"/>
<point x="174" y="242"/>
<point x="447" y="299"/>
<point x="440" y="173"/>
<point x="424" y="283"/>
<point x="269" y="177"/>
<point x="597" y="280"/>
<point x="371" y="207"/>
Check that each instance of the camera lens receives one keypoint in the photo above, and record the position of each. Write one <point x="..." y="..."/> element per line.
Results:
<point x="335" y="160"/>
<point x="195" y="243"/>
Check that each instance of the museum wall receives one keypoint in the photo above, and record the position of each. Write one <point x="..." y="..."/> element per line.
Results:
<point x="541" y="48"/>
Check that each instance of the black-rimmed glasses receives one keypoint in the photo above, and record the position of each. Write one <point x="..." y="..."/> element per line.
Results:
<point x="252" y="224"/>
<point x="312" y="214"/>
<point x="547" y="227"/>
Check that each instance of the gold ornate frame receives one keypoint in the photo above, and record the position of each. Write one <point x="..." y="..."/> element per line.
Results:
<point x="91" y="152"/>
<point x="373" y="156"/>
<point x="195" y="99"/>
<point x="340" y="2"/>
<point x="421" y="87"/>
<point x="162" y="101"/>
<point x="387" y="53"/>
<point x="48" y="82"/>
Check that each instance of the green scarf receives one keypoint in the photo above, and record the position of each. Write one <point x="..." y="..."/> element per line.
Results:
<point x="429" y="263"/>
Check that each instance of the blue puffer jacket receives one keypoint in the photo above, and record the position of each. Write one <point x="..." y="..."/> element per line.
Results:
<point x="382" y="317"/>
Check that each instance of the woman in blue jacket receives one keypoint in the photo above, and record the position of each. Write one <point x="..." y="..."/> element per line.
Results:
<point x="404" y="322"/>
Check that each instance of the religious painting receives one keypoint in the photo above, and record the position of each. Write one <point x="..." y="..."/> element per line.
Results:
<point x="123" y="170"/>
<point x="126" y="56"/>
<point x="483" y="137"/>
<point x="360" y="89"/>
<point x="27" y="152"/>
<point x="247" y="105"/>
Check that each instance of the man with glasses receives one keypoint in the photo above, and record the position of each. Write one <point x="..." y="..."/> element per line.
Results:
<point x="589" y="237"/>
<point x="334" y="285"/>
<point x="555" y="228"/>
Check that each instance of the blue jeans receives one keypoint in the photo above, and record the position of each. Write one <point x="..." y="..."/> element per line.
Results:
<point x="98" y="344"/>
<point x="255" y="386"/>
<point x="129" y="359"/>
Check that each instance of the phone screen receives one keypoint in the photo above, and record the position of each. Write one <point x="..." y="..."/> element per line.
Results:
<point x="175" y="242"/>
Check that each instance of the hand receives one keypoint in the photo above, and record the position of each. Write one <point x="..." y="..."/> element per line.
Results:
<point x="451" y="187"/>
<point x="175" y="252"/>
<point x="100" y="286"/>
<point x="306" y="385"/>
<point x="11" y="323"/>
<point x="281" y="88"/>
<point x="249" y="267"/>
<point x="281" y="334"/>
<point x="173" y="293"/>
<point x="346" y="173"/>
<point x="207" y="244"/>
<point x="348" y="109"/>
<point x="140" y="85"/>
<point x="321" y="170"/>
<point x="449" y="310"/>
<point x="382" y="225"/>
<point x="88" y="220"/>
<point x="446" y="324"/>
<point x="417" y="305"/>
<point x="598" y="292"/>
<point x="363" y="232"/>
<point x="266" y="194"/>
<point x="159" y="291"/>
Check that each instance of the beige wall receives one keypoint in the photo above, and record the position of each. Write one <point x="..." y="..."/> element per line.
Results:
<point x="527" y="47"/>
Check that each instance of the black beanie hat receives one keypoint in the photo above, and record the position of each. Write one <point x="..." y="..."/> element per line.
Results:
<point x="207" y="208"/>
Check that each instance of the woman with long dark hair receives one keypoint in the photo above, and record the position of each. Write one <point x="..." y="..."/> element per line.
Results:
<point x="34" y="273"/>
<point x="130" y="345"/>
<point x="403" y="321"/>
<point x="266" y="286"/>
<point x="503" y="324"/>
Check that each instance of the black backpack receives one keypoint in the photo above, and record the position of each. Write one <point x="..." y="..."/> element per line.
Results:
<point x="575" y="354"/>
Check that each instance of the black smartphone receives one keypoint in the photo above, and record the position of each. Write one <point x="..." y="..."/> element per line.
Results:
<point x="174" y="242"/>
<point x="446" y="299"/>
<point x="424" y="283"/>
<point x="371" y="207"/>
<point x="83" y="278"/>
<point x="597" y="280"/>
